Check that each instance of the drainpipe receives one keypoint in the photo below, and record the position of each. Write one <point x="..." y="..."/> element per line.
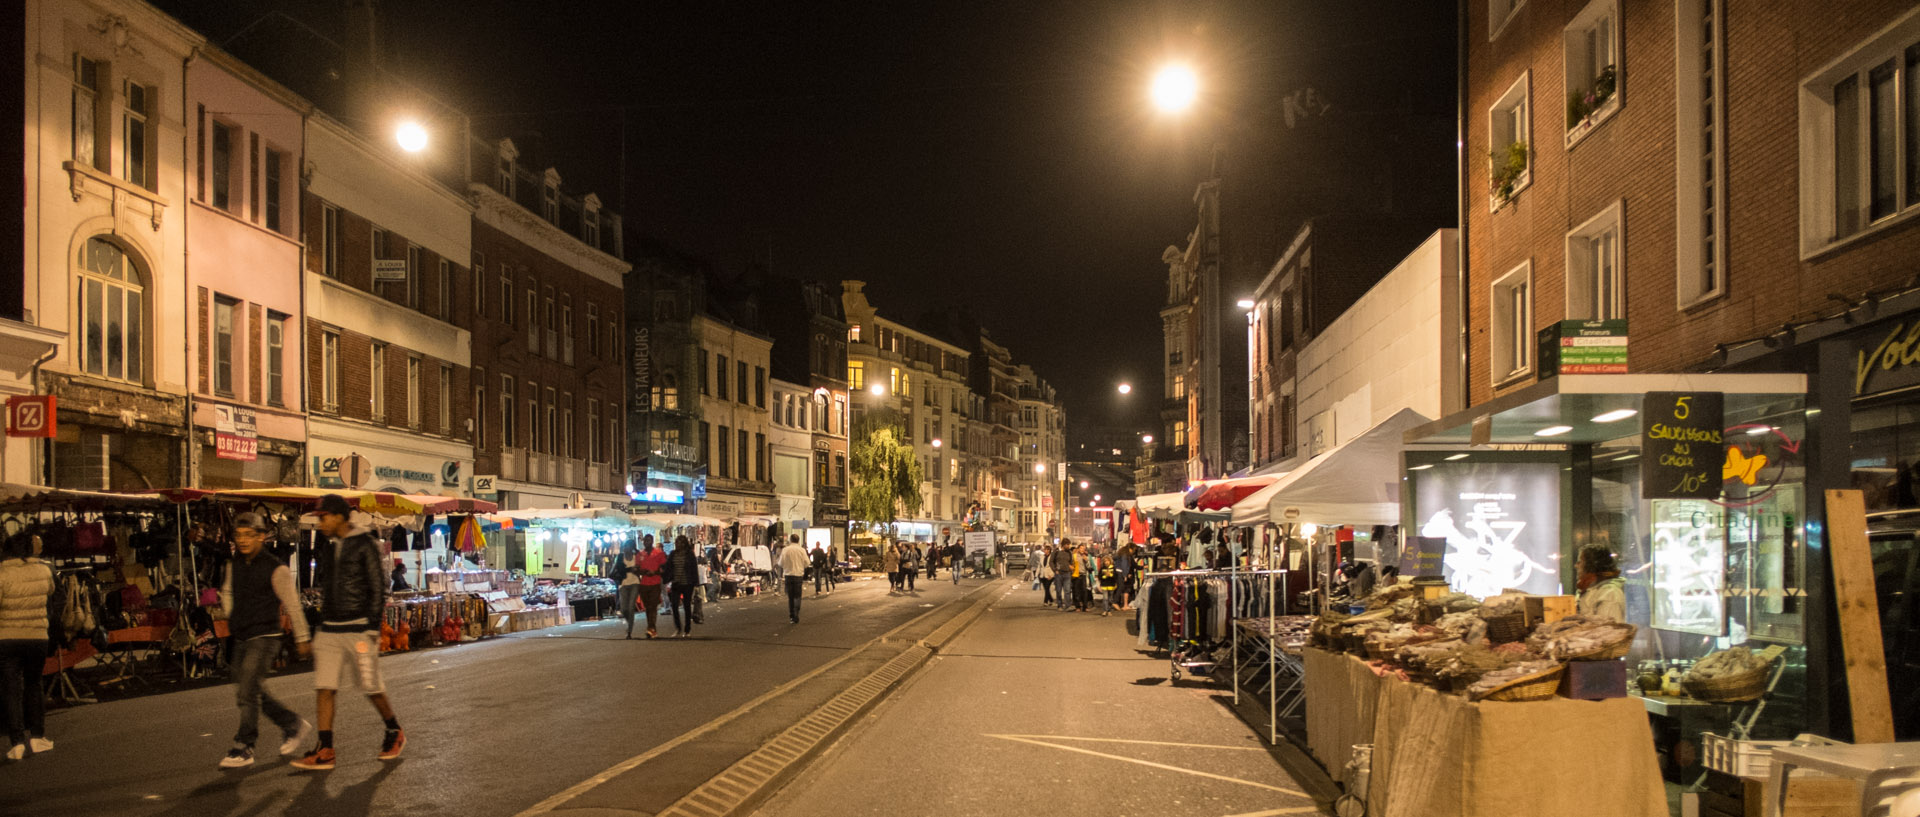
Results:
<point x="33" y="387"/>
<point x="1463" y="326"/>
<point x="300" y="283"/>
<point x="186" y="279"/>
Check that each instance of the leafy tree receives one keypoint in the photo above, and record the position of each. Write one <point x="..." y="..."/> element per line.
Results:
<point x="884" y="472"/>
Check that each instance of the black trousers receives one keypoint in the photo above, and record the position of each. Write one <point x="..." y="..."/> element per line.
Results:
<point x="795" y="586"/>
<point x="21" y="663"/>
<point x="681" y="596"/>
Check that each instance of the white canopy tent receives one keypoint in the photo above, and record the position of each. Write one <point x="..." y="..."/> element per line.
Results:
<point x="1356" y="483"/>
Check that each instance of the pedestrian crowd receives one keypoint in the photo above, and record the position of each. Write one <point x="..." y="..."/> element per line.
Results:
<point x="903" y="562"/>
<point x="1085" y="577"/>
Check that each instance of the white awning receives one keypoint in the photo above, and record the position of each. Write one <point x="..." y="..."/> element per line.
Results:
<point x="1356" y="483"/>
<point x="1162" y="506"/>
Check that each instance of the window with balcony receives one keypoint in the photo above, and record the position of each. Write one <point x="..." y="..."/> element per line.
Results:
<point x="1860" y="139"/>
<point x="1513" y="324"/>
<point x="1596" y="280"/>
<point x="1592" y="52"/>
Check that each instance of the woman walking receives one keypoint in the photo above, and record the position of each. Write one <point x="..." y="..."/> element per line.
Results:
<point x="1045" y="575"/>
<point x="683" y="575"/>
<point x="626" y="574"/>
<point x="909" y="565"/>
<point x="25" y="584"/>
<point x="890" y="561"/>
<point x="651" y="567"/>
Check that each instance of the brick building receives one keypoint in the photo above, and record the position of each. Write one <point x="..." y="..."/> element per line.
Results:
<point x="546" y="310"/>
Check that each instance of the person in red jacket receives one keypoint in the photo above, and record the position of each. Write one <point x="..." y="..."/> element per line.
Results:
<point x="653" y="565"/>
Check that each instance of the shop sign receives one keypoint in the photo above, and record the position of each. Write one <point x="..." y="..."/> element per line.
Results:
<point x="1682" y="453"/>
<point x="979" y="541"/>
<point x="642" y="399"/>
<point x="1046" y="502"/>
<point x="403" y="474"/>
<point x="450" y="473"/>
<point x="1583" y="347"/>
<point x="235" y="434"/>
<point x="350" y="471"/>
<point x="1500" y="522"/>
<point x="659" y="494"/>
<point x="1889" y="363"/>
<point x="483" y="486"/>
<point x="31" y="415"/>
<point x="1422" y="555"/>
<point x="833" y="517"/>
<point x="389" y="269"/>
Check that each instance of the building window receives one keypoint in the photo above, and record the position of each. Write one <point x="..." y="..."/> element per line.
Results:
<point x="134" y="166"/>
<point x="857" y="374"/>
<point x="720" y="376"/>
<point x="479" y="412"/>
<point x="276" y="358"/>
<point x="566" y="428"/>
<point x="506" y="295"/>
<point x="893" y="379"/>
<point x="615" y="449"/>
<point x="86" y="110"/>
<point x="330" y="371"/>
<point x="566" y="332"/>
<point x="533" y="417"/>
<point x="741" y="455"/>
<point x="760" y="386"/>
<point x="504" y="177"/>
<point x="1179" y="435"/>
<point x="740" y="377"/>
<point x="1596" y="282"/>
<point x="330" y="241"/>
<point x="1513" y="324"/>
<point x="533" y="319"/>
<point x="253" y="176"/>
<point x="550" y="202"/>
<point x="112" y="316"/>
<point x="446" y="400"/>
<point x="220" y="165"/>
<point x="377" y="375"/>
<point x="1592" y="49"/>
<point x="553" y="328"/>
<point x="377" y="246"/>
<point x="1499" y="14"/>
<point x="1508" y="137"/>
<point x="506" y="411"/>
<point x="1860" y="153"/>
<point x="1699" y="153"/>
<point x="590" y="226"/>
<point x="415" y="271"/>
<point x="700" y="364"/>
<point x="706" y="445"/>
<point x="760" y="457"/>
<point x="443" y="290"/>
<point x="1179" y="387"/>
<point x="723" y="461"/>
<point x="593" y="431"/>
<point x="593" y="329"/>
<point x="275" y="165"/>
<point x="477" y="291"/>
<point x="224" y="309"/>
<point x="413" y="393"/>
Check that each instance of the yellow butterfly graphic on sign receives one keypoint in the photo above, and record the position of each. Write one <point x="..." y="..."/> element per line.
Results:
<point x="1738" y="464"/>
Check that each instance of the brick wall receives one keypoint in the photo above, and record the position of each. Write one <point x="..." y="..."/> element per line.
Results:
<point x="356" y="383"/>
<point x="1770" y="45"/>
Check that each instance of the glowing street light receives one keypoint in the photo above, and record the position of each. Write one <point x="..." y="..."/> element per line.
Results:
<point x="412" y="136"/>
<point x="1245" y="303"/>
<point x="1039" y="467"/>
<point x="1126" y="388"/>
<point x="1174" y="88"/>
<point x="1083" y="485"/>
<point x="936" y="442"/>
<point x="877" y="390"/>
<point x="1146" y="439"/>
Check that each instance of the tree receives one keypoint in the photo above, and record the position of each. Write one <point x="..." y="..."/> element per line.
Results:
<point x="885" y="474"/>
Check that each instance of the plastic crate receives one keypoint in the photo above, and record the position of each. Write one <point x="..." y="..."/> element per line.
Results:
<point x="1749" y="758"/>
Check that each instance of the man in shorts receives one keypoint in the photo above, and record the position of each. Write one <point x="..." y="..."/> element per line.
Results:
<point x="347" y="647"/>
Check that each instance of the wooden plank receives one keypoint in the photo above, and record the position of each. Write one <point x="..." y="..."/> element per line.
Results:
<point x="1859" y="607"/>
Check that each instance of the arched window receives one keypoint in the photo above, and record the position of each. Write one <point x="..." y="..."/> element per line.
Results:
<point x="112" y="312"/>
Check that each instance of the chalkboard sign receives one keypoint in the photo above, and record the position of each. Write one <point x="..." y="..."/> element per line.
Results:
<point x="1421" y="555"/>
<point x="1681" y="454"/>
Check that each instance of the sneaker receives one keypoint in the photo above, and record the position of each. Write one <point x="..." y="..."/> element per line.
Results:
<point x="396" y="741"/>
<point x="296" y="738"/>
<point x="239" y="757"/>
<point x="40" y="745"/>
<point x="18" y="752"/>
<point x="320" y="759"/>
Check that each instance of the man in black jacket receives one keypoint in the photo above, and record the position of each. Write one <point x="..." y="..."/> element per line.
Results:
<point x="347" y="648"/>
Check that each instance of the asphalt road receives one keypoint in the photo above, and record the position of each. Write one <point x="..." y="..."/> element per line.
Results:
<point x="1034" y="711"/>
<point x="493" y="727"/>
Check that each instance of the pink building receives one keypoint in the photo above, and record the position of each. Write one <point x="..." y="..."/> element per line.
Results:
<point x="244" y="137"/>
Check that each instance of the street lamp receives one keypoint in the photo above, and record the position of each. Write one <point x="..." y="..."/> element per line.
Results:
<point x="1083" y="485"/>
<point x="1245" y="303"/>
<point x="412" y="136"/>
<point x="1146" y="439"/>
<point x="936" y="442"/>
<point x="1174" y="88"/>
<point x="1126" y="388"/>
<point x="877" y="390"/>
<point x="1040" y="468"/>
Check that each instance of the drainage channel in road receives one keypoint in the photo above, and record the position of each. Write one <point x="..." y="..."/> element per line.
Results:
<point x="748" y="753"/>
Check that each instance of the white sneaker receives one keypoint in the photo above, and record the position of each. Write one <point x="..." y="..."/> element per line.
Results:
<point x="292" y="744"/>
<point x="19" y="751"/>
<point x="40" y="745"/>
<point x="239" y="757"/>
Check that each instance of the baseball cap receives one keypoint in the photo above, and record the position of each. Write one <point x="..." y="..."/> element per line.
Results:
<point x="251" y="521"/>
<point x="334" y="504"/>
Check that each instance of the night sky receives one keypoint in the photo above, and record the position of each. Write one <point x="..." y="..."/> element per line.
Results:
<point x="998" y="157"/>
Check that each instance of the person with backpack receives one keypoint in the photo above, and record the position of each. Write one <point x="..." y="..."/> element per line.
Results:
<point x="257" y="589"/>
<point x="26" y="586"/>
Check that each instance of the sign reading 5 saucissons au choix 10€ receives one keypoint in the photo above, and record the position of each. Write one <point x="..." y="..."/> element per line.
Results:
<point x="1682" y="452"/>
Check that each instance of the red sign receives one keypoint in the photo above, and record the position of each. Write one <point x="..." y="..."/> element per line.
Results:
<point x="1046" y="502"/>
<point x="30" y="415"/>
<point x="235" y="447"/>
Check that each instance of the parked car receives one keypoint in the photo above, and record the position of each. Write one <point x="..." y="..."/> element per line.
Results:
<point x="863" y="557"/>
<point x="1015" y="557"/>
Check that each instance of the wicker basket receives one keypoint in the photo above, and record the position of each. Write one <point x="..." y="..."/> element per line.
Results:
<point x="1747" y="686"/>
<point x="1508" y="628"/>
<point x="1536" y="687"/>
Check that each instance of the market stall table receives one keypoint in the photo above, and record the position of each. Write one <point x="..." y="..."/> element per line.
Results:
<point x="1438" y="754"/>
<point x="1860" y="762"/>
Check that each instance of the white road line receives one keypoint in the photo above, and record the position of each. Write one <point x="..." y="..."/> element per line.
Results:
<point x="1152" y="764"/>
<point x="1279" y="811"/>
<point x="1142" y="742"/>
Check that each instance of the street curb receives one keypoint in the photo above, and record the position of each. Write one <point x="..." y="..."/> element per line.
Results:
<point x="747" y="783"/>
<point x="559" y="800"/>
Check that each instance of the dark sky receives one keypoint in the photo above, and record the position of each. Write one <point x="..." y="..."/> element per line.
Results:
<point x="993" y="156"/>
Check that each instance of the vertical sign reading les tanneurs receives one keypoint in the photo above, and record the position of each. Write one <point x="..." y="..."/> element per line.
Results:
<point x="1681" y="451"/>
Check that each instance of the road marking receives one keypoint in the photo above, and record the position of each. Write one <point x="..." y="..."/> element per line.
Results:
<point x="1279" y="811"/>
<point x="1152" y="764"/>
<point x="1143" y="742"/>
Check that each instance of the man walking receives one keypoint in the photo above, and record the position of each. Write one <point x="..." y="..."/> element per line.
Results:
<point x="347" y="648"/>
<point x="956" y="556"/>
<point x="793" y="567"/>
<point x="652" y="565"/>
<point x="1063" y="563"/>
<point x="822" y="570"/>
<point x="909" y="565"/>
<point x="257" y="588"/>
<point x="683" y="576"/>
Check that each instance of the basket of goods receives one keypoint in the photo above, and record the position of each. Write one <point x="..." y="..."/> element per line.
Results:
<point x="1385" y="597"/>
<point x="1727" y="676"/>
<point x="1463" y="626"/>
<point x="1381" y="644"/>
<point x="1449" y="604"/>
<point x="1406" y="610"/>
<point x="1424" y="659"/>
<point x="1506" y="618"/>
<point x="1356" y="635"/>
<point x="1524" y="681"/>
<point x="1326" y="629"/>
<point x="1582" y="638"/>
<point x="1467" y="664"/>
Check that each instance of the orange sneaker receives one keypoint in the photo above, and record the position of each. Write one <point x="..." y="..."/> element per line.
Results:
<point x="396" y="740"/>
<point x="320" y="759"/>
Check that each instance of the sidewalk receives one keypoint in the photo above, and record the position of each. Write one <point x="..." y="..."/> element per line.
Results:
<point x="1031" y="710"/>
